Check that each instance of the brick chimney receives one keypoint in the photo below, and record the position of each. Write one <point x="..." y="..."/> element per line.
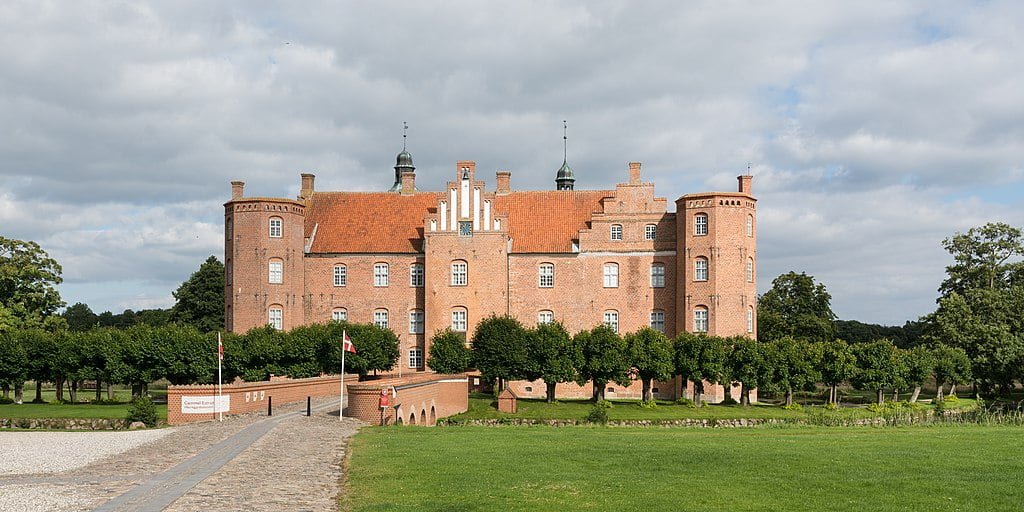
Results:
<point x="634" y="173"/>
<point x="408" y="183"/>
<point x="237" y="189"/>
<point x="504" y="179"/>
<point x="306" y="191"/>
<point x="746" y="181"/>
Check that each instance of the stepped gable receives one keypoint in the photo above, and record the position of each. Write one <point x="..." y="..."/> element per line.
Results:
<point x="368" y="222"/>
<point x="548" y="221"/>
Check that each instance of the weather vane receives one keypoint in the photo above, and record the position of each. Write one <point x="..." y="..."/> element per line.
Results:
<point x="405" y="129"/>
<point x="565" y="141"/>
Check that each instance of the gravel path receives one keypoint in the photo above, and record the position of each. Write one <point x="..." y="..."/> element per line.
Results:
<point x="26" y="453"/>
<point x="203" y="466"/>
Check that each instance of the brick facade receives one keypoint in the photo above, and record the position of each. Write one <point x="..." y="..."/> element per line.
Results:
<point x="615" y="254"/>
<point x="252" y="396"/>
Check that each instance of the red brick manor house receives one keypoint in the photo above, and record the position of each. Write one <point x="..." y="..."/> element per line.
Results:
<point x="418" y="262"/>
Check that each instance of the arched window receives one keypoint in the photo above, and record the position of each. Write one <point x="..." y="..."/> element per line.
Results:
<point x="546" y="275"/>
<point x="340" y="275"/>
<point x="339" y="315"/>
<point x="227" y="229"/>
<point x="658" y="320"/>
<point x="380" y="318"/>
<point x="700" y="319"/>
<point x="750" y="225"/>
<point x="416" y="321"/>
<point x="545" y="317"/>
<point x="616" y="233"/>
<point x="459" y="319"/>
<point x="416" y="275"/>
<point x="276" y="227"/>
<point x="460" y="273"/>
<point x="275" y="316"/>
<point x="650" y="232"/>
<point x="700" y="269"/>
<point x="750" y="319"/>
<point x="750" y="270"/>
<point x="275" y="271"/>
<point x="228" y="270"/>
<point x="657" y="275"/>
<point x="611" y="275"/>
<point x="700" y="224"/>
<point x="611" y="319"/>
<point x="380" y="274"/>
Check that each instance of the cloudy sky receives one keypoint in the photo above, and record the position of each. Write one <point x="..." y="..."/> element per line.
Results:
<point x="874" y="130"/>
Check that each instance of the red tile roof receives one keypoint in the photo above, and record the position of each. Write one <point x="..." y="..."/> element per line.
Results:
<point x="548" y="220"/>
<point x="388" y="222"/>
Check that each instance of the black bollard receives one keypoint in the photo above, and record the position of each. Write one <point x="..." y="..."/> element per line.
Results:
<point x="308" y="408"/>
<point x="270" y="406"/>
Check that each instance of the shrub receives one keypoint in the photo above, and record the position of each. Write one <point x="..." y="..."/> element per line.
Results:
<point x="951" y="399"/>
<point x="4" y="400"/>
<point x="687" y="402"/>
<point x="648" y="404"/>
<point x="728" y="401"/>
<point x="793" y="407"/>
<point x="831" y="407"/>
<point x="599" y="413"/>
<point x="142" y="409"/>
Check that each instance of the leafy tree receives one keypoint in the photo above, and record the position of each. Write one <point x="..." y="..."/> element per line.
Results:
<point x="555" y="355"/>
<point x="951" y="366"/>
<point x="449" y="353"/>
<point x="13" y="366"/>
<point x="749" y="364"/>
<point x="376" y="349"/>
<point x="500" y="350"/>
<point x="795" y="306"/>
<point x="28" y="284"/>
<point x="603" y="360"/>
<point x="200" y="299"/>
<point x="192" y="355"/>
<point x="793" y="363"/>
<point x="879" y="366"/>
<point x="836" y="364"/>
<point x="920" y="365"/>
<point x="143" y="356"/>
<point x="43" y="352"/>
<point x="80" y="317"/>
<point x="905" y="336"/>
<point x="982" y="258"/>
<point x="700" y="358"/>
<point x="650" y="354"/>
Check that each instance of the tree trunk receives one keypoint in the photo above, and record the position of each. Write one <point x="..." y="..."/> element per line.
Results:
<point x="551" y="391"/>
<point x="73" y="391"/>
<point x="789" y="397"/>
<point x="881" y="397"/>
<point x="952" y="390"/>
<point x="59" y="389"/>
<point x="7" y="390"/>
<point x="744" y="394"/>
<point x="648" y="394"/>
<point x="99" y="390"/>
<point x="39" y="392"/>
<point x="599" y="391"/>
<point x="19" y="393"/>
<point x="938" y="391"/>
<point x="895" y="395"/>
<point x="917" y="391"/>
<point x="110" y="391"/>
<point x="698" y="392"/>
<point x="136" y="390"/>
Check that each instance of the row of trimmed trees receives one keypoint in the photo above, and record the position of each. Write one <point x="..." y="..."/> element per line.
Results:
<point x="504" y="350"/>
<point x="141" y="354"/>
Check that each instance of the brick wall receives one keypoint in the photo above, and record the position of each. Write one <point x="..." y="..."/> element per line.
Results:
<point x="252" y="396"/>
<point x="420" y="399"/>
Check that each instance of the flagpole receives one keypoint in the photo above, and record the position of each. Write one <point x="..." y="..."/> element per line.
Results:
<point x="341" y="399"/>
<point x="220" y="381"/>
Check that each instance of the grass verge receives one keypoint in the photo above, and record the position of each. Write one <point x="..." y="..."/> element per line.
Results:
<point x="56" y="410"/>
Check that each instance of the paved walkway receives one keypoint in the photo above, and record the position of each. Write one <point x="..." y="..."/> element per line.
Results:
<point x="247" y="463"/>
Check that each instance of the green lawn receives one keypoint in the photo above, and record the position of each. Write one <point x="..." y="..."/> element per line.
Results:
<point x="591" y="468"/>
<point x="485" y="407"/>
<point x="56" y="410"/>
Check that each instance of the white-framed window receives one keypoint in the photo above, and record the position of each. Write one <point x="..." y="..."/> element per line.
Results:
<point x="658" y="320"/>
<point x="750" y="319"/>
<point x="611" y="319"/>
<point x="275" y="272"/>
<point x="750" y="225"/>
<point x="276" y="229"/>
<point x="700" y="269"/>
<point x="700" y="319"/>
<point x="380" y="318"/>
<point x="339" y="315"/>
<point x="657" y="275"/>
<point x="611" y="275"/>
<point x="546" y="275"/>
<point x="459" y="319"/>
<point x="416" y="321"/>
<point x="700" y="224"/>
<point x="460" y="271"/>
<point x="275" y="317"/>
<point x="650" y="232"/>
<point x="545" y="317"/>
<point x="416" y="275"/>
<point x="380" y="274"/>
<point x="750" y="270"/>
<point x="415" y="357"/>
<point x="340" y="275"/>
<point x="616" y="232"/>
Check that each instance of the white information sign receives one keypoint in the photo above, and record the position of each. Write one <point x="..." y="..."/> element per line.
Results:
<point x="205" y="404"/>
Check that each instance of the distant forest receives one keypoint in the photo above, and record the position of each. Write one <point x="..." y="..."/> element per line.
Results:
<point x="853" y="331"/>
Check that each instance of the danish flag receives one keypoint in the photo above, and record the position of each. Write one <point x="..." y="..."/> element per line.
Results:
<point x="220" y="348"/>
<point x="347" y="342"/>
